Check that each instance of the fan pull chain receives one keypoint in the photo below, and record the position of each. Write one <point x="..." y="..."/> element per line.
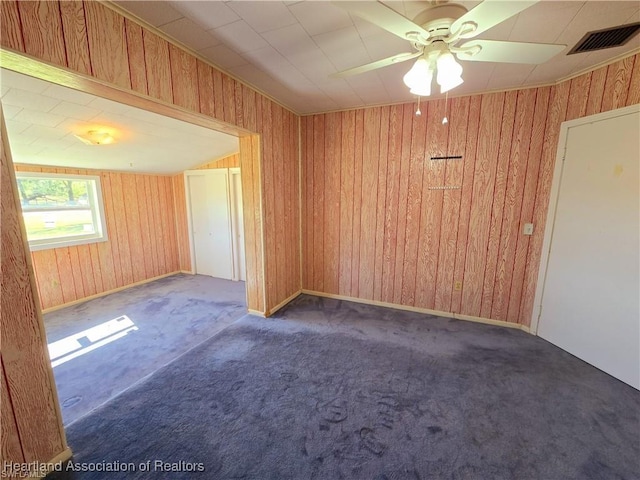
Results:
<point x="445" y="120"/>
<point x="418" y="112"/>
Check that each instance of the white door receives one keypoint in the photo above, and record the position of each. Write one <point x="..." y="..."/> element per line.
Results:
<point x="211" y="222"/>
<point x="590" y="298"/>
<point x="238" y="223"/>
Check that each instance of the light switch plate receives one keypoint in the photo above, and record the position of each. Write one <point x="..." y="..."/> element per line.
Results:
<point x="528" y="229"/>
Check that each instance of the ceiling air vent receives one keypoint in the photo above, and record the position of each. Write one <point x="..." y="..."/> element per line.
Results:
<point x="607" y="38"/>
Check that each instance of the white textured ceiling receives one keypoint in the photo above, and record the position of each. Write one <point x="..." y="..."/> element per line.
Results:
<point x="42" y="119"/>
<point x="288" y="49"/>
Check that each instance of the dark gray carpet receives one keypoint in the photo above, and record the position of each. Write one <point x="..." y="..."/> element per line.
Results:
<point x="329" y="389"/>
<point x="172" y="315"/>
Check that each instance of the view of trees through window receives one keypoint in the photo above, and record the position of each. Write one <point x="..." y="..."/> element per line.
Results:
<point x="57" y="207"/>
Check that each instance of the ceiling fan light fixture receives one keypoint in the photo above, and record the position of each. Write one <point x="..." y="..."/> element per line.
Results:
<point x="449" y="73"/>
<point x="418" y="79"/>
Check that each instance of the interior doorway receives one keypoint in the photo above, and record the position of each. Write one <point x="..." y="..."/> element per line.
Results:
<point x="124" y="337"/>
<point x="214" y="200"/>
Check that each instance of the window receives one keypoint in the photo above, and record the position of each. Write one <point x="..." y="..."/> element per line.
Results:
<point x="61" y="210"/>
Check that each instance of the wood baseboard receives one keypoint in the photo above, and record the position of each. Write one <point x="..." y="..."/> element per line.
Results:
<point x="50" y="466"/>
<point x="108" y="292"/>
<point x="283" y="303"/>
<point x="457" y="316"/>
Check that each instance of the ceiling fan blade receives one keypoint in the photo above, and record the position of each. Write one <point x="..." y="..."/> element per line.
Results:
<point x="488" y="14"/>
<point x="401" y="57"/>
<point x="384" y="17"/>
<point x="509" y="52"/>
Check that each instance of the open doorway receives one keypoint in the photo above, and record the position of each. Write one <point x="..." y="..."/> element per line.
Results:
<point x="105" y="218"/>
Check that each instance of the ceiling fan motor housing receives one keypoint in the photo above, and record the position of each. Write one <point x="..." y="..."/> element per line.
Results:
<point x="437" y="20"/>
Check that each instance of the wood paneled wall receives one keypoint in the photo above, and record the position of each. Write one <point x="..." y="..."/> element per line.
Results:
<point x="92" y="39"/>
<point x="142" y="242"/>
<point x="376" y="226"/>
<point x="31" y="424"/>
<point x="232" y="161"/>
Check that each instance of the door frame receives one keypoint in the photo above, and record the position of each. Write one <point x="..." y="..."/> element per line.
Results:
<point x="250" y="155"/>
<point x="187" y="192"/>
<point x="547" y="242"/>
<point x="235" y="224"/>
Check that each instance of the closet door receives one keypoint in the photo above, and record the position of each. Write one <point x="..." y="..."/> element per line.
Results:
<point x="590" y="295"/>
<point x="208" y="192"/>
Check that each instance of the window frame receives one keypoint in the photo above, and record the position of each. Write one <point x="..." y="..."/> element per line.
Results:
<point x="96" y="207"/>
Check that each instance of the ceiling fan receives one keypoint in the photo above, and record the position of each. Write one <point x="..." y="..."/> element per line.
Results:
<point x="435" y="34"/>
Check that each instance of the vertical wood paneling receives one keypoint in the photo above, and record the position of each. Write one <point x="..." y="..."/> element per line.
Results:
<point x="184" y="78"/>
<point x="135" y="51"/>
<point x="499" y="194"/>
<point x="617" y="84"/>
<point x="347" y="157"/>
<point x="528" y="202"/>
<point x="451" y="203"/>
<point x="229" y="95"/>
<point x="382" y="174"/>
<point x="458" y="250"/>
<point x="369" y="202"/>
<point x="179" y="200"/>
<point x="115" y="57"/>
<point x="357" y="201"/>
<point x="278" y="207"/>
<point x="251" y="203"/>
<point x="269" y="197"/>
<point x="318" y="202"/>
<point x="596" y="91"/>
<point x="42" y="27"/>
<point x="231" y="161"/>
<point x="405" y="155"/>
<point x="87" y="270"/>
<point x="414" y="207"/>
<point x="480" y="217"/>
<point x="144" y="226"/>
<point x="158" y="66"/>
<point x="431" y="207"/>
<point x="107" y="44"/>
<point x="239" y="120"/>
<point x="10" y="26"/>
<point x="49" y="285"/>
<point x="75" y="33"/>
<point x="10" y="440"/>
<point x="24" y="358"/>
<point x="396" y="116"/>
<point x="331" y="230"/>
<point x="559" y="99"/>
<point x="308" y="158"/>
<point x="135" y="226"/>
<point x="65" y="273"/>
<point x="513" y="202"/>
<point x="633" y="96"/>
<point x="579" y="91"/>
<point x="205" y="88"/>
<point x="218" y="95"/>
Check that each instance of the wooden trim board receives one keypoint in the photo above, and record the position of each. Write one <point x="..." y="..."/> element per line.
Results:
<point x="113" y="290"/>
<point x="396" y="306"/>
<point x="283" y="303"/>
<point x="62" y="457"/>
